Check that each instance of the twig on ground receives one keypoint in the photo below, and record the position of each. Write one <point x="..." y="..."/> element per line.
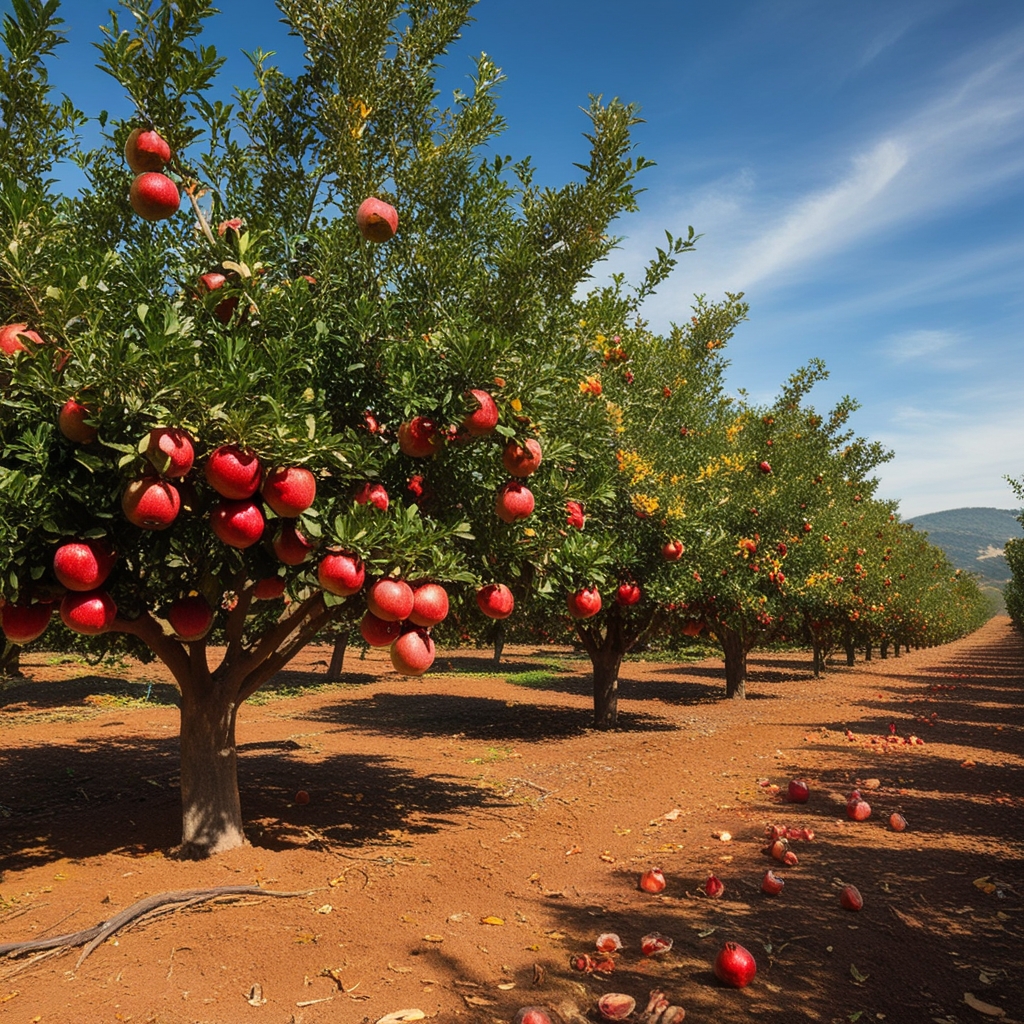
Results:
<point x="151" y="906"/>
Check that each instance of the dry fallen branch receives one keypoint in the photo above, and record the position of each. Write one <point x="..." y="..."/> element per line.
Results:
<point x="151" y="906"/>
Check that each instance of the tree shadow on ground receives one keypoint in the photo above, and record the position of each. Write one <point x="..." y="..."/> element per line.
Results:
<point x="71" y="801"/>
<point x="441" y="714"/>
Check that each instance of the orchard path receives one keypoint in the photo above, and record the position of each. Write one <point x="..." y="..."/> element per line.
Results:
<point x="464" y="796"/>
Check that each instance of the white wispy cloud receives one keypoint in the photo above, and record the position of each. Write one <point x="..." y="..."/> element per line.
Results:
<point x="939" y="349"/>
<point x="951" y="152"/>
<point x="953" y="457"/>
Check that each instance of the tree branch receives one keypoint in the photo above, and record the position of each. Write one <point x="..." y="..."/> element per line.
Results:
<point x="170" y="651"/>
<point x="276" y="661"/>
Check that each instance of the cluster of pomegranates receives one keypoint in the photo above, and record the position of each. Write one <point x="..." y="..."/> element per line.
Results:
<point x="401" y="616"/>
<point x="153" y="195"/>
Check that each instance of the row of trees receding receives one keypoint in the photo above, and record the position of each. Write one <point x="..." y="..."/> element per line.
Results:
<point x="452" y="406"/>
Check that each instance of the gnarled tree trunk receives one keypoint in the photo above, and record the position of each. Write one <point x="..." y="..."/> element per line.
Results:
<point x="499" y="641"/>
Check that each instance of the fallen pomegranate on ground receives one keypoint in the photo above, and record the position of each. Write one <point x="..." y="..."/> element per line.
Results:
<point x="734" y="965"/>
<point x="772" y="884"/>
<point x="616" y="1005"/>
<point x="897" y="822"/>
<point x="798" y="791"/>
<point x="652" y="880"/>
<point x="532" y="1015"/>
<point x="608" y="942"/>
<point x="714" y="887"/>
<point x="858" y="810"/>
<point x="850" y="898"/>
<point x="655" y="943"/>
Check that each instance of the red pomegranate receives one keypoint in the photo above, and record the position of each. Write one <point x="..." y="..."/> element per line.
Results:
<point x="150" y="503"/>
<point x="14" y="336"/>
<point x="584" y="603"/>
<point x="420" y="437"/>
<point x="514" y="502"/>
<point x="495" y="600"/>
<point x="90" y="613"/>
<point x="23" y="623"/>
<point x="734" y="966"/>
<point x="239" y="524"/>
<point x="268" y="588"/>
<point x="484" y="418"/>
<point x="627" y="594"/>
<point x="83" y="564"/>
<point x="672" y="550"/>
<point x="233" y="472"/>
<point x="146" y="150"/>
<point x="170" y="451"/>
<point x="190" y="617"/>
<point x="373" y="494"/>
<point x="379" y="632"/>
<point x="391" y="600"/>
<point x="71" y="421"/>
<point x="154" y="196"/>
<point x="430" y="605"/>
<point x="341" y="573"/>
<point x="291" y="545"/>
<point x="377" y="221"/>
<point x="413" y="652"/>
<point x="522" y="460"/>
<point x="289" y="490"/>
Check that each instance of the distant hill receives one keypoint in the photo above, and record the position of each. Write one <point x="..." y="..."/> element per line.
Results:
<point x="973" y="538"/>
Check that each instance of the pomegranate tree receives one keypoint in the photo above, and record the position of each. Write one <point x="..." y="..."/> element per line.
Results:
<point x="234" y="429"/>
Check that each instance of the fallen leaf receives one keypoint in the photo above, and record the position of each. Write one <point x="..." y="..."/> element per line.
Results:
<point x="673" y="814"/>
<point x="325" y="909"/>
<point x="479" y="1001"/>
<point x="255" y="997"/>
<point x="555" y="934"/>
<point x="492" y="920"/>
<point x="402" y="1017"/>
<point x="399" y="970"/>
<point x="506" y="985"/>
<point x="857" y="976"/>
<point x="539" y="974"/>
<point x="986" y="1008"/>
<point x="706" y="932"/>
<point x="433" y="938"/>
<point x="607" y="858"/>
<point x="573" y="850"/>
<point x="305" y="937"/>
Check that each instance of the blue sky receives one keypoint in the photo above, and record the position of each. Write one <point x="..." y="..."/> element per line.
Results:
<point x="856" y="169"/>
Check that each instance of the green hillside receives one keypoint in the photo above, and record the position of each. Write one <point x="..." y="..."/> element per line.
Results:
<point x="973" y="538"/>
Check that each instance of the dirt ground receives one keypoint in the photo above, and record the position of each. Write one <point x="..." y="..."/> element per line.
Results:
<point x="467" y="834"/>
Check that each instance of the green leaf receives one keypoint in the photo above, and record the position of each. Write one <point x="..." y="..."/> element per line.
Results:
<point x="857" y="976"/>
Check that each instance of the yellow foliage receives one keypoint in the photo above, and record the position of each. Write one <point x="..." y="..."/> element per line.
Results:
<point x="645" y="503"/>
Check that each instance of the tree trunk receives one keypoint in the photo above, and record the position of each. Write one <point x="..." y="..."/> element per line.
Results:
<point x="211" y="812"/>
<point x="606" y="653"/>
<point x="10" y="660"/>
<point x="336" y="667"/>
<point x="735" y="651"/>
<point x="867" y="652"/>
<point x="851" y="654"/>
<point x="896" y="650"/>
<point x="499" y="642"/>
<point x="883" y="649"/>
<point x="816" y="656"/>
<point x="606" y="687"/>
